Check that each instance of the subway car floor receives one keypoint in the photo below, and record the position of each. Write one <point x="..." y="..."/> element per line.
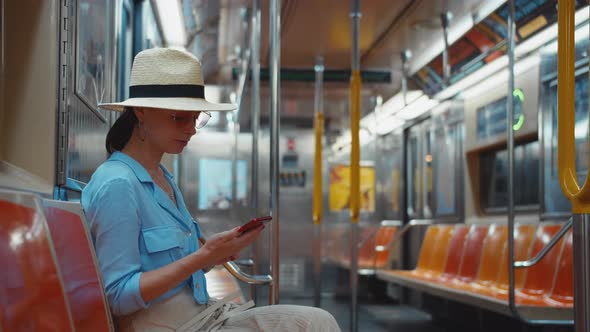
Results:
<point x="376" y="317"/>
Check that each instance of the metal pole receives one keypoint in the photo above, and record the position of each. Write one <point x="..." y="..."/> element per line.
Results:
<point x="355" y="105"/>
<point x="255" y="125"/>
<point x="317" y="180"/>
<point x="444" y="20"/>
<point x="581" y="272"/>
<point x="275" y="54"/>
<point x="510" y="132"/>
<point x="405" y="56"/>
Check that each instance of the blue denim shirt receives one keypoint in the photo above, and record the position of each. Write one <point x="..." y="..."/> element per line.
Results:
<point x="136" y="228"/>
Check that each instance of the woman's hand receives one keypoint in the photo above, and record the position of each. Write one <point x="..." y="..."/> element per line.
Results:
<point x="226" y="246"/>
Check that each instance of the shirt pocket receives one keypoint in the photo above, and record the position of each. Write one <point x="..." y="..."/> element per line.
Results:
<point x="163" y="242"/>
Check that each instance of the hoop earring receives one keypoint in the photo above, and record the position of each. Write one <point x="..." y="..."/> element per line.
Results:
<point x="141" y="128"/>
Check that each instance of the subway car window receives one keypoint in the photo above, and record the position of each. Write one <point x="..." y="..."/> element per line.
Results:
<point x="581" y="126"/>
<point x="94" y="52"/>
<point x="494" y="178"/>
<point x="446" y="168"/>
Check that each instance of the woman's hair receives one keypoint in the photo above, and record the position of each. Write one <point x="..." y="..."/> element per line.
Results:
<point x="121" y="131"/>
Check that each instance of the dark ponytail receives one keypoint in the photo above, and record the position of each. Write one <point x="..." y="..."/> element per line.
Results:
<point x="121" y="131"/>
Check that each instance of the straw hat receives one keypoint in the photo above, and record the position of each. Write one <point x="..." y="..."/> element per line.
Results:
<point x="169" y="79"/>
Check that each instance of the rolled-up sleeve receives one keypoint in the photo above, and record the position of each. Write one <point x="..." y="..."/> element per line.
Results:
<point x="114" y="221"/>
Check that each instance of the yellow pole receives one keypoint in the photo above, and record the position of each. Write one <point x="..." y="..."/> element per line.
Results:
<point x="355" y="115"/>
<point x="566" y="160"/>
<point x="566" y="144"/>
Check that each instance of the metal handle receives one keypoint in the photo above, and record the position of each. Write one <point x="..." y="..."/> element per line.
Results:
<point x="245" y="262"/>
<point x="547" y="248"/>
<point x="235" y="271"/>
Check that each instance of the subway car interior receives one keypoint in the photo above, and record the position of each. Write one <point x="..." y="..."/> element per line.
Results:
<point x="413" y="155"/>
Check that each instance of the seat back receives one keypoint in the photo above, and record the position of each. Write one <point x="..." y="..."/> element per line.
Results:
<point x="383" y="244"/>
<point x="539" y="277"/>
<point x="427" y="247"/>
<point x="78" y="265"/>
<point x="31" y="289"/>
<point x="491" y="261"/>
<point x="440" y="249"/>
<point x="454" y="252"/>
<point x="472" y="253"/>
<point x="523" y="239"/>
<point x="563" y="287"/>
<point x="366" y="250"/>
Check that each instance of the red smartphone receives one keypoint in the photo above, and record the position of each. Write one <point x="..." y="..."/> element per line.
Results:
<point x="252" y="224"/>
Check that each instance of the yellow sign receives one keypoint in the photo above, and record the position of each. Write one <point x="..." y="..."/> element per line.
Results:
<point x="340" y="188"/>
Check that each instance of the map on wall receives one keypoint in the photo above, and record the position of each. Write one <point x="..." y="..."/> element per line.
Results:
<point x="340" y="188"/>
<point x="215" y="183"/>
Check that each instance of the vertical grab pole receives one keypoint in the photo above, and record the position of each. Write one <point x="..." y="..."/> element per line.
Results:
<point x="444" y="21"/>
<point x="275" y="60"/>
<point x="255" y="120"/>
<point x="317" y="181"/>
<point x="355" y="106"/>
<point x="510" y="141"/>
<point x="566" y="159"/>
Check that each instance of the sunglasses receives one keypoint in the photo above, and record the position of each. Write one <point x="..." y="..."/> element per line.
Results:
<point x="181" y="119"/>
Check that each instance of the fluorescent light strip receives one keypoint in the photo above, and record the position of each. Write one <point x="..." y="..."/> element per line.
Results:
<point x="501" y="76"/>
<point x="526" y="47"/>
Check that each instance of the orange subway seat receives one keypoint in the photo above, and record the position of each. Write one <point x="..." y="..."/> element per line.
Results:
<point x="539" y="277"/>
<point x="77" y="263"/>
<point x="366" y="251"/>
<point x="523" y="239"/>
<point x="454" y="254"/>
<point x="562" y="294"/>
<point x="383" y="245"/>
<point x="472" y="254"/>
<point x="433" y="265"/>
<point x="427" y="248"/>
<point x="491" y="259"/>
<point x="426" y="251"/>
<point x="31" y="292"/>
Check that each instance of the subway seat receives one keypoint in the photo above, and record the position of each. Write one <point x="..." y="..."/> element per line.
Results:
<point x="54" y="283"/>
<point x="32" y="294"/>
<point x="374" y="247"/>
<point x="469" y="264"/>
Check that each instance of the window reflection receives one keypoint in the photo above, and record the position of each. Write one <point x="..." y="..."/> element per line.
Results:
<point x="494" y="177"/>
<point x="93" y="49"/>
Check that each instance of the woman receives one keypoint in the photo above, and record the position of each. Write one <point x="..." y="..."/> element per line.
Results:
<point x="145" y="239"/>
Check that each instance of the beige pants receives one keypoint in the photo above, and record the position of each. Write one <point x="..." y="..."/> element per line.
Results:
<point x="174" y="312"/>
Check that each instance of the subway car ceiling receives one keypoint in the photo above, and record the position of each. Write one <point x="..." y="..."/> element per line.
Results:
<point x="401" y="44"/>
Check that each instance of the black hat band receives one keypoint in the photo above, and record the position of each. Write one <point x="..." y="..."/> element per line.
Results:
<point x="167" y="91"/>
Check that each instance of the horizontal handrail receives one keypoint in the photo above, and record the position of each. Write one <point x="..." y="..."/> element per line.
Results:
<point x="408" y="226"/>
<point x="235" y="271"/>
<point x="545" y="250"/>
<point x="391" y="223"/>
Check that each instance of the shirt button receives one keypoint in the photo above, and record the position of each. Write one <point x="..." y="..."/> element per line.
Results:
<point x="188" y="233"/>
<point x="197" y="284"/>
